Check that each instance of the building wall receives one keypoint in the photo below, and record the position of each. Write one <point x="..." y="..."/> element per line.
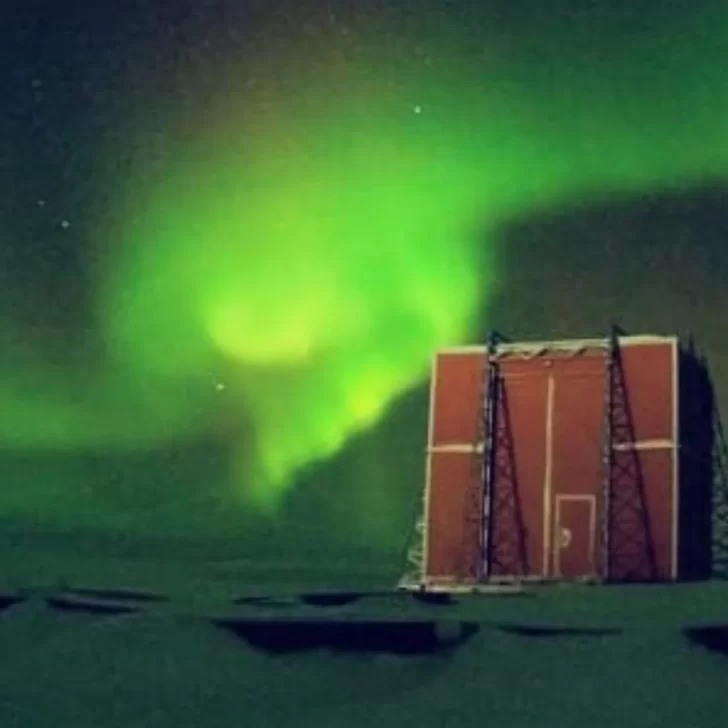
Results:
<point x="553" y="412"/>
<point x="525" y="411"/>
<point x="452" y="523"/>
<point x="576" y="461"/>
<point x="651" y="379"/>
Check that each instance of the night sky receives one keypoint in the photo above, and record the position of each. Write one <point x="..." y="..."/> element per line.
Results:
<point x="233" y="234"/>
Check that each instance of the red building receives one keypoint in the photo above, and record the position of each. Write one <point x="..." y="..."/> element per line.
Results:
<point x="567" y="460"/>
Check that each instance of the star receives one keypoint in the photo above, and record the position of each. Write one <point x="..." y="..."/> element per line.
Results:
<point x="417" y="109"/>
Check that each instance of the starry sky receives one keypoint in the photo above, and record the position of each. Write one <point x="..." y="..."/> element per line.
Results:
<point x="233" y="233"/>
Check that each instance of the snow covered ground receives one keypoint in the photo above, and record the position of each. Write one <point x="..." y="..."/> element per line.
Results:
<point x="146" y="644"/>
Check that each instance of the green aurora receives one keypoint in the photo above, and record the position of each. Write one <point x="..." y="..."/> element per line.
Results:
<point x="284" y="271"/>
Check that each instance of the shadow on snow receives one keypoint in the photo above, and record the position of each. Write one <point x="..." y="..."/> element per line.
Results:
<point x="393" y="637"/>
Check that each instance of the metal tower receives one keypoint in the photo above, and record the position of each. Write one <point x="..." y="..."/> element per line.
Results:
<point x="415" y="558"/>
<point x="473" y="566"/>
<point x="503" y="533"/>
<point x="628" y="552"/>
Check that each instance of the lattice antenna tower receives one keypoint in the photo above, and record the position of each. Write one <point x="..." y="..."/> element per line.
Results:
<point x="488" y="413"/>
<point x="506" y="538"/>
<point x="628" y="548"/>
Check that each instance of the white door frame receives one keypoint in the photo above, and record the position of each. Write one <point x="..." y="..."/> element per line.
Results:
<point x="556" y="545"/>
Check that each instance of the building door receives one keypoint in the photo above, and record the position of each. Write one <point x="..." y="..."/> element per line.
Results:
<point x="575" y="536"/>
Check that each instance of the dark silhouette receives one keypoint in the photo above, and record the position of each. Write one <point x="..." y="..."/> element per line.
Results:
<point x="395" y="637"/>
<point x="89" y="607"/>
<point x="331" y="599"/>
<point x="713" y="638"/>
<point x="544" y="631"/>
<point x="438" y="599"/>
<point x="265" y="601"/>
<point x="697" y="467"/>
<point x="8" y="601"/>
<point x="117" y="594"/>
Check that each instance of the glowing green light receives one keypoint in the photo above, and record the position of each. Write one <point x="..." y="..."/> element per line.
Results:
<point x="314" y="240"/>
